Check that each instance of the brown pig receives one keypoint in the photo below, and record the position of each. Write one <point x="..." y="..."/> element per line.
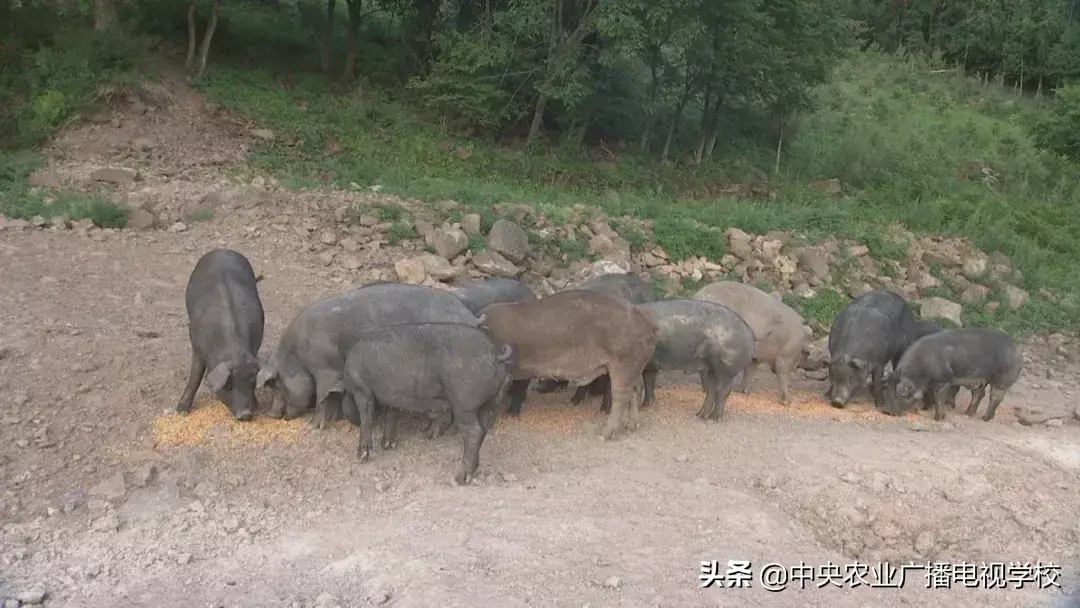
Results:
<point x="579" y="335"/>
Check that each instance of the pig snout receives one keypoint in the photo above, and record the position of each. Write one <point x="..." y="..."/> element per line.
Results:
<point x="839" y="396"/>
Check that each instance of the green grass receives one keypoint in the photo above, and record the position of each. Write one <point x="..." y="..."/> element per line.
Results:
<point x="18" y="200"/>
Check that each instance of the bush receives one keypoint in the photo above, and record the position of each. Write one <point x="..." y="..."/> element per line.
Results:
<point x="1058" y="130"/>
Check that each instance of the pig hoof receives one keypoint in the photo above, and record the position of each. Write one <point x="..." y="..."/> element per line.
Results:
<point x="363" y="454"/>
<point x="987" y="418"/>
<point x="388" y="445"/>
<point x="244" y="416"/>
<point x="462" y="479"/>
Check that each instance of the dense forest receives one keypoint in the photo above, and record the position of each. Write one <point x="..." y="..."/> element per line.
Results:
<point x="663" y="77"/>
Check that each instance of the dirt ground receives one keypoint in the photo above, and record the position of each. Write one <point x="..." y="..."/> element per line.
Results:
<point x="109" y="499"/>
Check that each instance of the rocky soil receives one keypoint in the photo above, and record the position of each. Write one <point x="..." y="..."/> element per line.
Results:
<point x="101" y="507"/>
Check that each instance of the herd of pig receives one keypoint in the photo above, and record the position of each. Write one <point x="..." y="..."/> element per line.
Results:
<point x="463" y="356"/>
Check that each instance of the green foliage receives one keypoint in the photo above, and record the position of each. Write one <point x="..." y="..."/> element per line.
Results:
<point x="399" y="231"/>
<point x="53" y="68"/>
<point x="822" y="307"/>
<point x="1058" y="130"/>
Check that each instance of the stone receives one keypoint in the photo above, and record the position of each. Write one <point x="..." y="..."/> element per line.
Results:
<point x="615" y="249"/>
<point x="831" y="186"/>
<point x="352" y="262"/>
<point x="140" y="219"/>
<point x="263" y="134"/>
<point x="974" y="268"/>
<point x="328" y="237"/>
<point x="613" y="582"/>
<point x="60" y="221"/>
<point x="120" y="176"/>
<point x="816" y="354"/>
<point x="738" y="243"/>
<point x="940" y="308"/>
<point x="438" y="267"/>
<point x="975" y="293"/>
<point x="111" y="488"/>
<point x="1015" y="297"/>
<point x="858" y="250"/>
<point x="1029" y="416"/>
<point x="178" y="227"/>
<point x="144" y="476"/>
<point x="183" y="559"/>
<point x="447" y="242"/>
<point x="509" y="240"/>
<point x="410" y="271"/>
<point x="470" y="223"/>
<point x="495" y="264"/>
<point x="32" y="597"/>
<point x="142" y="144"/>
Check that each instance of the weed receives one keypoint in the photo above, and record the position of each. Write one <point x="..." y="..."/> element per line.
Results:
<point x="822" y="307"/>
<point x="399" y="231"/>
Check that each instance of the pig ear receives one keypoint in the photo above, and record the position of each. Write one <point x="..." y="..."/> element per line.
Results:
<point x="858" y="364"/>
<point x="481" y="318"/>
<point x="218" y="376"/>
<point x="266" y="374"/>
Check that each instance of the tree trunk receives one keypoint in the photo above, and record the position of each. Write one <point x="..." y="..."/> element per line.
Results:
<point x="1038" y="90"/>
<point x="779" y="146"/>
<point x="537" y="119"/>
<point x="349" y="73"/>
<point x="191" y="42"/>
<point x="204" y="50"/>
<point x="649" y="117"/>
<point x="328" y="39"/>
<point x="104" y="14"/>
<point x="675" y="120"/>
<point x="643" y="145"/>
<point x="707" y="121"/>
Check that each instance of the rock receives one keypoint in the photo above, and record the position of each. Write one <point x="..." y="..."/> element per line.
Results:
<point x="1055" y="422"/>
<point x="112" y="488"/>
<point x="816" y="354"/>
<point x="858" y="250"/>
<point x="410" y="271"/>
<point x="651" y="261"/>
<point x="108" y="523"/>
<point x="448" y="243"/>
<point x="508" y="239"/>
<point x="471" y="224"/>
<point x="183" y="559"/>
<point x="616" y="249"/>
<point x="350" y="245"/>
<point x="975" y="293"/>
<point x="328" y="237"/>
<point x="1015" y="297"/>
<point x="326" y="600"/>
<point x="850" y="477"/>
<point x="368" y="221"/>
<point x="974" y="268"/>
<point x="11" y="603"/>
<point x="613" y="582"/>
<point x="738" y="243"/>
<point x="142" y="144"/>
<point x="352" y="262"/>
<point x="140" y="219"/>
<point x="263" y="134"/>
<point x="115" y="175"/>
<point x="831" y="187"/>
<point x="60" y="221"/>
<point x="178" y="227"/>
<point x="496" y="265"/>
<point x="144" y="476"/>
<point x="1036" y="415"/>
<point x="940" y="308"/>
<point x="885" y="529"/>
<point x="438" y="267"/>
<point x="38" y="221"/>
<point x="32" y="596"/>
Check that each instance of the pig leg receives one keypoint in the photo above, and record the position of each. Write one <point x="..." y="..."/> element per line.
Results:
<point x="390" y="422"/>
<point x="782" y="369"/>
<point x="649" y="378"/>
<point x="950" y="395"/>
<point x="605" y="401"/>
<point x="472" y="436"/>
<point x="637" y="396"/>
<point x="976" y="398"/>
<point x="365" y="405"/>
<point x="440" y="424"/>
<point x="744" y="386"/>
<point x="997" y="395"/>
<point x="877" y="377"/>
<point x="936" y="396"/>
<point x="518" y="389"/>
<point x="710" y="395"/>
<point x="195" y="376"/>
<point x="621" y="393"/>
<point x="722" y="384"/>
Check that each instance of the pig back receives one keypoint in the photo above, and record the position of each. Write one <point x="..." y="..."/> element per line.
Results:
<point x="776" y="325"/>
<point x="627" y="287"/>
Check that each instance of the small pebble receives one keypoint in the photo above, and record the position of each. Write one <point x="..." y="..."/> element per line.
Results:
<point x="613" y="582"/>
<point x="183" y="559"/>
<point x="32" y="596"/>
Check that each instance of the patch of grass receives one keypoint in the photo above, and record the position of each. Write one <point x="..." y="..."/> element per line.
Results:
<point x="18" y="200"/>
<point x="389" y="213"/>
<point x="822" y="307"/>
<point x="399" y="231"/>
<point x="477" y="243"/>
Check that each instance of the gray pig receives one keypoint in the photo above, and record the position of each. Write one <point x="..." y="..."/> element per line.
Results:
<point x="309" y="364"/>
<point x="225" y="324"/>
<point x="700" y="336"/>
<point x="478" y="295"/>
<point x="777" y="327"/>
<point x="432" y="368"/>
<point x="918" y="330"/>
<point x="580" y="335"/>
<point x="866" y="335"/>
<point x="627" y="287"/>
<point x="972" y="356"/>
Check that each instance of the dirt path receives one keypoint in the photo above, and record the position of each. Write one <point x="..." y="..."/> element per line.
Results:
<point x="107" y="499"/>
